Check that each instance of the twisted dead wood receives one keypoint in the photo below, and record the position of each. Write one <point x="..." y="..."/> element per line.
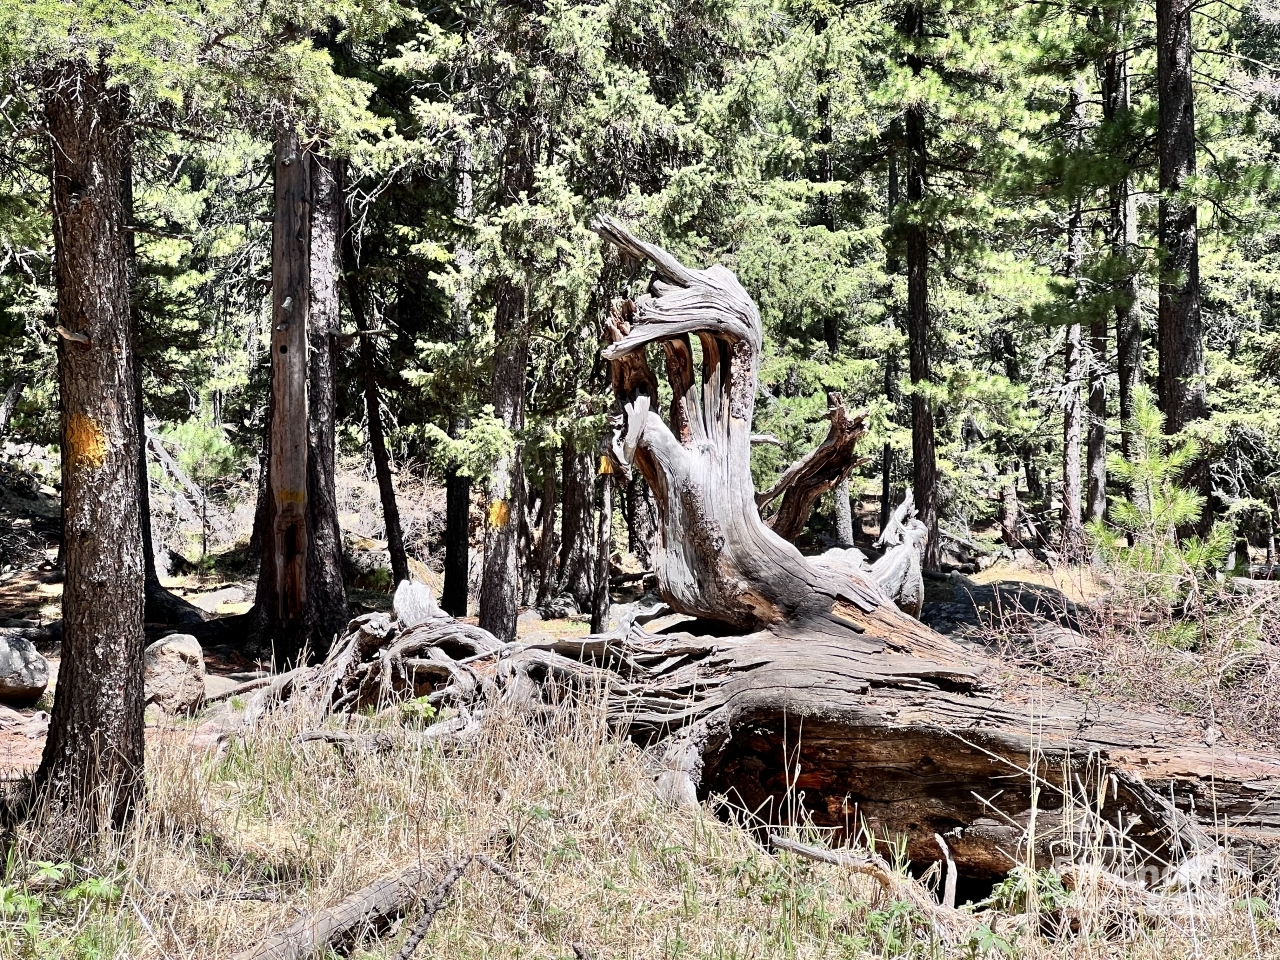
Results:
<point x="819" y="470"/>
<point x="826" y="703"/>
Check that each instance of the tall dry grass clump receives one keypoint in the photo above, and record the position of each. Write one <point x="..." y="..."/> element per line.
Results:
<point x="234" y="845"/>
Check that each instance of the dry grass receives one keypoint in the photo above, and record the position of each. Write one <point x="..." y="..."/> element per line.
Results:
<point x="1200" y="650"/>
<point x="569" y="807"/>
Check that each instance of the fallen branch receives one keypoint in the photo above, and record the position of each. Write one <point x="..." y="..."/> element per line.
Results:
<point x="438" y="897"/>
<point x="381" y="901"/>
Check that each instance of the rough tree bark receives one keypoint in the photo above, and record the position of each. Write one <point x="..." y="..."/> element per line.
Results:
<point x="893" y="267"/>
<point x="924" y="459"/>
<point x="301" y="602"/>
<point x="642" y="520"/>
<point x="604" y="550"/>
<point x="822" y="468"/>
<point x="91" y="770"/>
<point x="500" y="589"/>
<point x="577" y="574"/>
<point x="457" y="533"/>
<point x="373" y="414"/>
<point x="1073" y="361"/>
<point x="10" y="401"/>
<point x="1124" y="247"/>
<point x="1181" y="328"/>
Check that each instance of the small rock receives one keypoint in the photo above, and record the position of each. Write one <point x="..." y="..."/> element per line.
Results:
<point x="210" y="602"/>
<point x="175" y="673"/>
<point x="562" y="607"/>
<point x="530" y="616"/>
<point x="24" y="674"/>
<point x="413" y="604"/>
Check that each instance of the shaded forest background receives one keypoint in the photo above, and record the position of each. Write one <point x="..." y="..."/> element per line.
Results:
<point x="1006" y="156"/>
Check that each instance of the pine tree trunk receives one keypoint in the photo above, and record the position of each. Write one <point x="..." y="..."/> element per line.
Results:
<point x="892" y="393"/>
<point x="373" y="415"/>
<point x="1124" y="248"/>
<point x="642" y="521"/>
<point x="91" y="769"/>
<point x="1181" y="331"/>
<point x="547" y="535"/>
<point x="162" y="605"/>
<point x="301" y="601"/>
<point x="500" y="588"/>
<point x="1096" y="494"/>
<point x="924" y="459"/>
<point x="577" y="527"/>
<point x="603" y="551"/>
<point x="326" y="589"/>
<point x="1072" y="526"/>
<point x="10" y="402"/>
<point x="457" y="533"/>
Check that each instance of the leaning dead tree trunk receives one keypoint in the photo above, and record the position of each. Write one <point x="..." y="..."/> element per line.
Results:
<point x="831" y="706"/>
<point x="822" y="468"/>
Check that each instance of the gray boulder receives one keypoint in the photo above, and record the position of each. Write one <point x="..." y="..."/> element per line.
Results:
<point x="24" y="674"/>
<point x="413" y="604"/>
<point x="175" y="674"/>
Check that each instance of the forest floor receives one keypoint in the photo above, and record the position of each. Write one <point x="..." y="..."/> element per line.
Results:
<point x="244" y="835"/>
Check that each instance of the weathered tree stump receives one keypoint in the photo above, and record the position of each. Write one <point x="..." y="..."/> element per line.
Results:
<point x="825" y="703"/>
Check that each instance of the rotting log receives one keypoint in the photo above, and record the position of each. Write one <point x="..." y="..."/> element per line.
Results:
<point x="821" y="469"/>
<point x="826" y="703"/>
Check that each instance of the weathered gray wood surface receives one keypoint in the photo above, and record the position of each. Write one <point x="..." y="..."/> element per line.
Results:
<point x="827" y="703"/>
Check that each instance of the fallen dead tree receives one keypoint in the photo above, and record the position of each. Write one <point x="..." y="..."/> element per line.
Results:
<point x="801" y="692"/>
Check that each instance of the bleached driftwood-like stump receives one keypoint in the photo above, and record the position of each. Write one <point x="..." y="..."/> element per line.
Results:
<point x="802" y="692"/>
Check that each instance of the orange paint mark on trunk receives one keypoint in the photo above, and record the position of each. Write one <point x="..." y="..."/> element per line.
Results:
<point x="86" y="443"/>
<point x="499" y="513"/>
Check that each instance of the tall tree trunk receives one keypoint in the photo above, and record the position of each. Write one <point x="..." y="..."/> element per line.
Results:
<point x="603" y="551"/>
<point x="893" y="266"/>
<point x="162" y="605"/>
<point x="923" y="443"/>
<point x="577" y="529"/>
<point x="1124" y="248"/>
<point x="301" y="601"/>
<point x="457" y="533"/>
<point x="500" y="588"/>
<point x="1072" y="526"/>
<point x="10" y="402"/>
<point x="373" y="414"/>
<point x="547" y="536"/>
<point x="1181" y="331"/>
<point x="827" y="214"/>
<point x="642" y="520"/>
<point x="91" y="769"/>
<point x="505" y="516"/>
<point x="326" y="590"/>
<point x="1096" y="494"/>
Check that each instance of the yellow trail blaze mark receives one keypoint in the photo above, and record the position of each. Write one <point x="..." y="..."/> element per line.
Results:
<point x="606" y="468"/>
<point x="499" y="513"/>
<point x="86" y="443"/>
